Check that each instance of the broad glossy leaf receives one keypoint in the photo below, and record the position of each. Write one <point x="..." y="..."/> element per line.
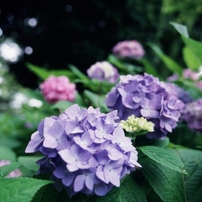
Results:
<point x="194" y="46"/>
<point x="62" y="105"/>
<point x="166" y="183"/>
<point x="191" y="60"/>
<point x="175" y="186"/>
<point x="29" y="162"/>
<point x="7" y="154"/>
<point x="7" y="169"/>
<point x="165" y="157"/>
<point x="192" y="160"/>
<point x="171" y="64"/>
<point x="128" y="191"/>
<point x="149" y="68"/>
<point x="182" y="29"/>
<point x="19" y="189"/>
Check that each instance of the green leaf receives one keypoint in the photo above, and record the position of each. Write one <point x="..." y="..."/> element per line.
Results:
<point x="39" y="71"/>
<point x="165" y="182"/>
<point x="7" y="154"/>
<point x="29" y="162"/>
<point x="19" y="189"/>
<point x="62" y="105"/>
<point x="50" y="194"/>
<point x="175" y="186"/>
<point x="78" y="73"/>
<point x="182" y="29"/>
<point x="194" y="46"/>
<point x="96" y="100"/>
<point x="115" y="61"/>
<point x="149" y="68"/>
<point x="7" y="169"/>
<point x="163" y="156"/>
<point x="42" y="73"/>
<point x="128" y="191"/>
<point x="9" y="142"/>
<point x="191" y="60"/>
<point x="192" y="160"/>
<point x="169" y="62"/>
<point x="158" y="142"/>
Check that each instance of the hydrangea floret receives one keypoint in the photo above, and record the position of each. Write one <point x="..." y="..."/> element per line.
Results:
<point x="58" y="88"/>
<point x="128" y="49"/>
<point x="84" y="150"/>
<point x="137" y="125"/>
<point x="192" y="115"/>
<point x="103" y="71"/>
<point x="14" y="173"/>
<point x="146" y="96"/>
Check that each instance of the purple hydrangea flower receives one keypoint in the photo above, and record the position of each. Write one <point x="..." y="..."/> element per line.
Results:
<point x="128" y="49"/>
<point x="192" y="115"/>
<point x="85" y="150"/>
<point x="103" y="71"/>
<point x="179" y="92"/>
<point x="145" y="96"/>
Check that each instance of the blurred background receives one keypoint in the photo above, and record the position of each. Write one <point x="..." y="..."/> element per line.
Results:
<point x="53" y="34"/>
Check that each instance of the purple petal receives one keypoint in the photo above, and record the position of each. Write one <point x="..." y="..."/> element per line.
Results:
<point x="145" y="113"/>
<point x="72" y="111"/>
<point x="79" y="182"/>
<point x="72" y="167"/>
<point x="100" y="189"/>
<point x="56" y="130"/>
<point x="68" y="179"/>
<point x="48" y="122"/>
<point x="50" y="142"/>
<point x="34" y="143"/>
<point x="89" y="183"/>
<point x="69" y="127"/>
<point x="99" y="173"/>
<point x="114" y="178"/>
<point x="114" y="154"/>
<point x="59" y="172"/>
<point x="66" y="156"/>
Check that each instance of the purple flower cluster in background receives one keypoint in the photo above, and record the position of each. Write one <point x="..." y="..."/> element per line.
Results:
<point x="58" y="88"/>
<point x="15" y="173"/>
<point x="179" y="92"/>
<point x="192" y="115"/>
<point x="188" y="74"/>
<point x="103" y="71"/>
<point x="85" y="150"/>
<point x="128" y="49"/>
<point x="145" y="96"/>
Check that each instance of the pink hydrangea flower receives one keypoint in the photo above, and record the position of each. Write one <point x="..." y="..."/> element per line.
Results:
<point x="130" y="49"/>
<point x="58" y="88"/>
<point x="190" y="74"/>
<point x="15" y="173"/>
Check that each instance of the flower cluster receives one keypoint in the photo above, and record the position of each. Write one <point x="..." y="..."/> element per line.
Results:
<point x="189" y="74"/>
<point x="103" y="71"/>
<point x="128" y="49"/>
<point x="179" y="92"/>
<point x="137" y="124"/>
<point x="58" y="88"/>
<point x="15" y="173"/>
<point x="145" y="96"/>
<point x="192" y="114"/>
<point x="85" y="150"/>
